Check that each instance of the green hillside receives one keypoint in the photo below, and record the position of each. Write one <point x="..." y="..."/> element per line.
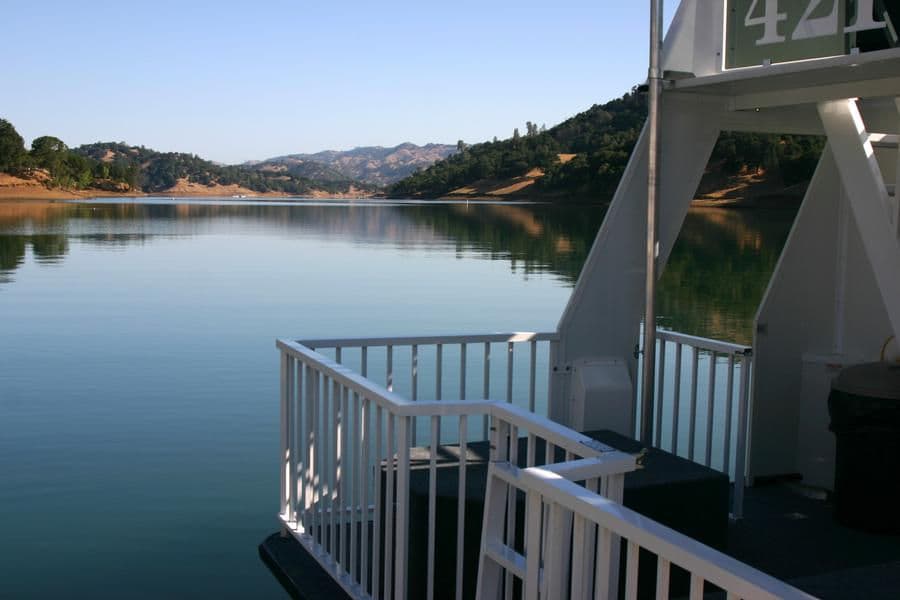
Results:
<point x="159" y="171"/>
<point x="119" y="167"/>
<point x="601" y="138"/>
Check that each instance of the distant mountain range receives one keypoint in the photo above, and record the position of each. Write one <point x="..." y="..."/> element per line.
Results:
<point x="375" y="165"/>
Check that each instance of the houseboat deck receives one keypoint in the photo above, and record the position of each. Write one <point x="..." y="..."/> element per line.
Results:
<point x="792" y="536"/>
<point x="786" y="532"/>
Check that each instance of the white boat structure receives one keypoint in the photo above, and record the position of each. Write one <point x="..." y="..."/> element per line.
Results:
<point x="381" y="439"/>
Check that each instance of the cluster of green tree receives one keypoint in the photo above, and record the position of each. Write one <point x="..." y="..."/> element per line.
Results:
<point x="64" y="167"/>
<point x="794" y="157"/>
<point x="490" y="160"/>
<point x="159" y="171"/>
<point x="602" y="139"/>
<point x="118" y="166"/>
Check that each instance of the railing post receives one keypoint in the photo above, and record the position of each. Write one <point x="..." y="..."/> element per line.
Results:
<point x="740" y="458"/>
<point x="283" y="461"/>
<point x="401" y="525"/>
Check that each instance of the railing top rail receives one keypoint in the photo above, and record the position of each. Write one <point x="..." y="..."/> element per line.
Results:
<point x="703" y="343"/>
<point x="719" y="569"/>
<point x="424" y="340"/>
<point x="559" y="435"/>
<point x="345" y="375"/>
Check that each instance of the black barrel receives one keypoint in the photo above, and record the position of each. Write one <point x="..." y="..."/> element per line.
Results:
<point x="865" y="417"/>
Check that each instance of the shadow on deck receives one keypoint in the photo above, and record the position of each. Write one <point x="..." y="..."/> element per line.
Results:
<point x="784" y="532"/>
<point x="794" y="537"/>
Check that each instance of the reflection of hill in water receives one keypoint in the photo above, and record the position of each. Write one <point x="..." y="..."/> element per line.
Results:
<point x="536" y="238"/>
<point x="719" y="269"/>
<point x="716" y="275"/>
<point x="717" y="272"/>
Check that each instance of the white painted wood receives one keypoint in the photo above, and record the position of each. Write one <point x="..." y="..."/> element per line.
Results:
<point x="696" y="592"/>
<point x="710" y="407"/>
<point x="430" y="340"/>
<point x="694" y="39"/>
<point x="555" y="564"/>
<point x="366" y="540"/>
<point x="895" y="194"/>
<point x="355" y="413"/>
<point x="676" y="400"/>
<point x="867" y="194"/>
<point x="703" y="343"/>
<point x="506" y="558"/>
<point x="579" y="586"/>
<point x="692" y="415"/>
<point x="283" y="458"/>
<point x="512" y="444"/>
<point x="604" y="576"/>
<point x="631" y="571"/>
<point x="662" y="579"/>
<point x="461" y="504"/>
<point x="610" y="463"/>
<point x="401" y="559"/>
<point x="660" y="378"/>
<point x="740" y="457"/>
<point x="715" y="567"/>
<point x="532" y="375"/>
<point x="729" y="407"/>
<point x="796" y="313"/>
<point x="379" y="506"/>
<point x="602" y="317"/>
<point x="390" y="466"/>
<point x="533" y="513"/>
<point x="490" y="568"/>
<point x="432" y="503"/>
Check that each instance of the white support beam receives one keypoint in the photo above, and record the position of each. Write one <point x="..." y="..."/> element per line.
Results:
<point x="896" y="194"/>
<point x="814" y="94"/>
<point x="867" y="194"/>
<point x="602" y="318"/>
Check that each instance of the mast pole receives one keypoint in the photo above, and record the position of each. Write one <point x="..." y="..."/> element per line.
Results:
<point x="654" y="81"/>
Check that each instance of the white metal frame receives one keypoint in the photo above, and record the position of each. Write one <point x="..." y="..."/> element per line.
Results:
<point x="681" y="412"/>
<point x="345" y="463"/>
<point x="561" y="514"/>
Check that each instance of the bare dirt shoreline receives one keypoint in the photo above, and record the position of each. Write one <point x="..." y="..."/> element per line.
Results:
<point x="15" y="188"/>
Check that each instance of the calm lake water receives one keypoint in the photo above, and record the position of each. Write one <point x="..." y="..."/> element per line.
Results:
<point x="138" y="373"/>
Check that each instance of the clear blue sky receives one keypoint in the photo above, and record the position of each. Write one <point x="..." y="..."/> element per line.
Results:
<point x="233" y="81"/>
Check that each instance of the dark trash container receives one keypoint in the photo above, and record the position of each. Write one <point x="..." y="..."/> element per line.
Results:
<point x="865" y="417"/>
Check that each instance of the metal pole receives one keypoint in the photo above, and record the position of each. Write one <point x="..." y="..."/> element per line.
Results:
<point x="654" y="81"/>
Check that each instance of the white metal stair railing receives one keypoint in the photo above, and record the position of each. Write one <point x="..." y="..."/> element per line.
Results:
<point x="347" y="465"/>
<point x="571" y="540"/>
<point x="702" y="404"/>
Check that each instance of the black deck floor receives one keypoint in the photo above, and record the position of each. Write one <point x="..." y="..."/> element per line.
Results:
<point x="793" y="537"/>
<point x="784" y="533"/>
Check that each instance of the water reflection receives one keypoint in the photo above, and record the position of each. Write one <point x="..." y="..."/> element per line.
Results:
<point x="712" y="285"/>
<point x="719" y="270"/>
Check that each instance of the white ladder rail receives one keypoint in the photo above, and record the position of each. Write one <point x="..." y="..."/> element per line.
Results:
<point x="544" y="566"/>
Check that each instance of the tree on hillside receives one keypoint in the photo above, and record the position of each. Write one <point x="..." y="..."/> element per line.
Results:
<point x="12" y="147"/>
<point x="48" y="152"/>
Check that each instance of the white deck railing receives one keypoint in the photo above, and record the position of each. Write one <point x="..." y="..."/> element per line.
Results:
<point x="348" y="456"/>
<point x="701" y="404"/>
<point x="492" y="365"/>
<point x="570" y="535"/>
<point x="346" y="466"/>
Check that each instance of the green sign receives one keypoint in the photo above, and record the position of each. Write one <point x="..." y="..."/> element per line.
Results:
<point x="772" y="31"/>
